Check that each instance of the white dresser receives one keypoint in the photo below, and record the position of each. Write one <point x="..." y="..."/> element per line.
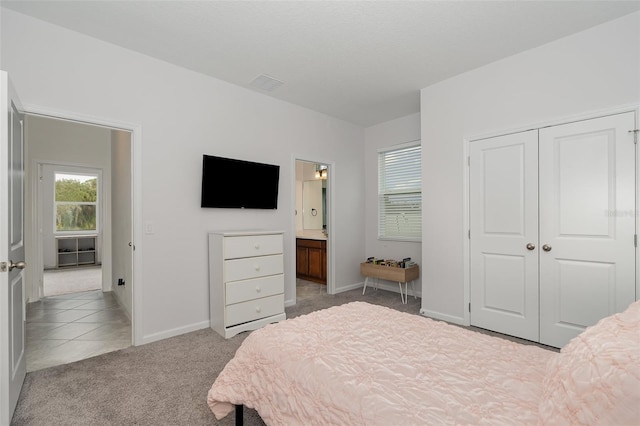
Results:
<point x="246" y="280"/>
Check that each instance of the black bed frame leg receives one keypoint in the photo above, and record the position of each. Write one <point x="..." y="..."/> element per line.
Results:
<point x="239" y="416"/>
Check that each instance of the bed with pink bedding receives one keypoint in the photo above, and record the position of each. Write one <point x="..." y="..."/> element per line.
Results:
<point x="361" y="364"/>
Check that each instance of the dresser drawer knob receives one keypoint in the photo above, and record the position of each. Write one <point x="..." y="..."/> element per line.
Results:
<point x="258" y="289"/>
<point x="256" y="246"/>
<point x="256" y="267"/>
<point x="258" y="309"/>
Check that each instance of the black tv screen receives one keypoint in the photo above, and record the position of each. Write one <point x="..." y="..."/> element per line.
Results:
<point x="237" y="184"/>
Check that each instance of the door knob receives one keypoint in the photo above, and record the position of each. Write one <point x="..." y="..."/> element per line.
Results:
<point x="19" y="265"/>
<point x="531" y="246"/>
<point x="546" y="247"/>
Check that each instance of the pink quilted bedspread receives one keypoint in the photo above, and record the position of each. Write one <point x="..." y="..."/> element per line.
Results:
<point x="364" y="364"/>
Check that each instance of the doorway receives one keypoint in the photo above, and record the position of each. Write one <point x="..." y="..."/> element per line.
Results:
<point x="79" y="194"/>
<point x="312" y="218"/>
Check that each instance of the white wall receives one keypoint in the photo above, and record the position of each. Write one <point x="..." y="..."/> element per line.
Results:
<point x="589" y="71"/>
<point x="184" y="115"/>
<point x="385" y="135"/>
<point x="121" y="252"/>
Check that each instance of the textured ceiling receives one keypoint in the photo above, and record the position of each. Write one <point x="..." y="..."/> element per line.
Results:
<point x="361" y="61"/>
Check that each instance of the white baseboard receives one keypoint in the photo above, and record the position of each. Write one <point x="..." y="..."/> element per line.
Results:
<point x="349" y="287"/>
<point x="443" y="317"/>
<point x="174" y="332"/>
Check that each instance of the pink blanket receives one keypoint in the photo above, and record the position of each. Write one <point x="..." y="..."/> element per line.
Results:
<point x="365" y="364"/>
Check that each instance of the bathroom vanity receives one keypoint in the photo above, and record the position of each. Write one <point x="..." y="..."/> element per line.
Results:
<point x="311" y="259"/>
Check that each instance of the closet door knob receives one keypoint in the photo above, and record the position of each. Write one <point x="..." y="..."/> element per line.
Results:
<point x="546" y="247"/>
<point x="531" y="246"/>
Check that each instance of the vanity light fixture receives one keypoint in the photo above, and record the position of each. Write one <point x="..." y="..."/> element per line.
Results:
<point x="321" y="171"/>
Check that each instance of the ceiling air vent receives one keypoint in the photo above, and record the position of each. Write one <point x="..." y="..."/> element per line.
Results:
<point x="266" y="83"/>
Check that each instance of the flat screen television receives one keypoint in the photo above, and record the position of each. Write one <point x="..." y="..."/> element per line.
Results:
<point x="237" y="184"/>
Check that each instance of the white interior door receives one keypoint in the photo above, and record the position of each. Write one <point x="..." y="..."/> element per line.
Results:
<point x="587" y="224"/>
<point x="12" y="304"/>
<point x="504" y="233"/>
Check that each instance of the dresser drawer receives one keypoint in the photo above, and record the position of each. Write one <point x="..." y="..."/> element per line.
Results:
<point x="254" y="309"/>
<point x="252" y="245"/>
<point x="252" y="267"/>
<point x="241" y="291"/>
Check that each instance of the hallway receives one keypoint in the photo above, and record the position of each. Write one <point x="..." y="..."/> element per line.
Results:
<point x="70" y="327"/>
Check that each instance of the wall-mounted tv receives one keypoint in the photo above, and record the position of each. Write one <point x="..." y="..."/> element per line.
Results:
<point x="237" y="184"/>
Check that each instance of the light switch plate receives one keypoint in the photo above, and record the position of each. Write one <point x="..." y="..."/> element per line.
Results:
<point x="149" y="228"/>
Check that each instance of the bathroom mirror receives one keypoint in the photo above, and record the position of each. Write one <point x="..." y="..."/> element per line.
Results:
<point x="313" y="204"/>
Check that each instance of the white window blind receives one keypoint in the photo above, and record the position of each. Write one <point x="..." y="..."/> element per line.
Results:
<point x="400" y="193"/>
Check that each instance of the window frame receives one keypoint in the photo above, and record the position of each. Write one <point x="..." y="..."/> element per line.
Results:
<point x="384" y="191"/>
<point x="97" y="173"/>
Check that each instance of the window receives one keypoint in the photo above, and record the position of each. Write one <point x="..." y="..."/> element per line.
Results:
<point x="76" y="202"/>
<point x="400" y="193"/>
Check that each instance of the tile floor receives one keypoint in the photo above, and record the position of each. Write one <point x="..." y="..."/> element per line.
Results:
<point x="70" y="327"/>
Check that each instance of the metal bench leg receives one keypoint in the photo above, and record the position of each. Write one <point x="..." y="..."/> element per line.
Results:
<point x="366" y="279"/>
<point x="402" y="297"/>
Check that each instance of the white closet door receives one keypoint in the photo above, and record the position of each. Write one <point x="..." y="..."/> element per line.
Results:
<point x="587" y="205"/>
<point x="504" y="220"/>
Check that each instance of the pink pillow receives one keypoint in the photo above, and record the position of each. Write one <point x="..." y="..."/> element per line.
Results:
<point x="595" y="380"/>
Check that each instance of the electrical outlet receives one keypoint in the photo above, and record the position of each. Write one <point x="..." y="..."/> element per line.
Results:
<point x="120" y="281"/>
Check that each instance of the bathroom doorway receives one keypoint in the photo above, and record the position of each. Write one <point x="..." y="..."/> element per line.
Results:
<point x="311" y="219"/>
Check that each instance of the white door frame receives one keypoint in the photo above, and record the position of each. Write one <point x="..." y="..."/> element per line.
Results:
<point x="136" y="199"/>
<point x="330" y="197"/>
<point x="635" y="108"/>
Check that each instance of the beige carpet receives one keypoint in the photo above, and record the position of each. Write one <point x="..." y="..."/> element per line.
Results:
<point x="63" y="281"/>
